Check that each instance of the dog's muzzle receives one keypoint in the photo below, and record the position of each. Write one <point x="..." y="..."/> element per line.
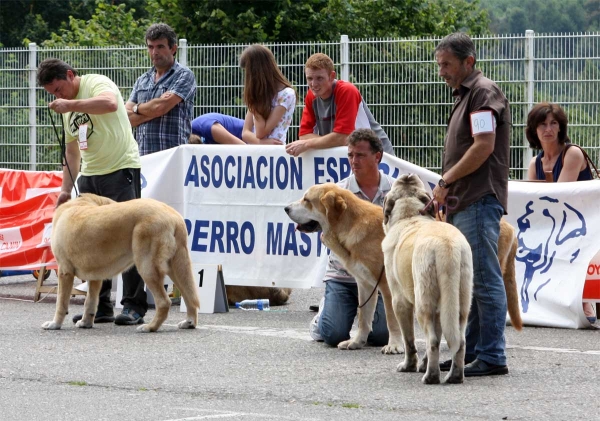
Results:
<point x="312" y="226"/>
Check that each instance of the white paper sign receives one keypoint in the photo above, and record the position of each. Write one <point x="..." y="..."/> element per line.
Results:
<point x="83" y="137"/>
<point x="211" y="289"/>
<point x="482" y="122"/>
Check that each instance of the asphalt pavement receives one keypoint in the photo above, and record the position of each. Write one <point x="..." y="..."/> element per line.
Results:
<point x="249" y="366"/>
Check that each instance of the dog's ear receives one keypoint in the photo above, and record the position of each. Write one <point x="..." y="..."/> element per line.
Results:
<point x="388" y="206"/>
<point x="334" y="204"/>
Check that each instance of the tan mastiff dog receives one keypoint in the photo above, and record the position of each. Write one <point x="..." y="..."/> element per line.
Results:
<point x="429" y="268"/>
<point x="352" y="229"/>
<point x="96" y="238"/>
<point x="507" y="250"/>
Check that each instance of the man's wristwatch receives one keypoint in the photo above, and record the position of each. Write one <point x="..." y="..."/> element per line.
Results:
<point x="443" y="184"/>
<point x="135" y="109"/>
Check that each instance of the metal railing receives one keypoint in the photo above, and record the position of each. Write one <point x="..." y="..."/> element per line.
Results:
<point x="397" y="78"/>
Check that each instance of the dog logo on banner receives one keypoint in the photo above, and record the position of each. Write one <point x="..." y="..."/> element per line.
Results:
<point x="560" y="224"/>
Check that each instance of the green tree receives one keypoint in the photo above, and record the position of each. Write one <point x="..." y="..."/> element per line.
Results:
<point x="117" y="22"/>
<point x="110" y="25"/>
<point x="592" y="11"/>
<point x="516" y="16"/>
<point x="237" y="21"/>
<point x="35" y="20"/>
<point x="24" y="21"/>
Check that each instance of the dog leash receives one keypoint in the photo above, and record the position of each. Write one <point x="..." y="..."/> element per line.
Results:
<point x="63" y="148"/>
<point x="374" y="289"/>
<point x="451" y="204"/>
<point x="436" y="207"/>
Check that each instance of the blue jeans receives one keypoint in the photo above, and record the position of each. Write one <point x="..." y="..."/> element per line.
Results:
<point x="338" y="313"/>
<point x="480" y="224"/>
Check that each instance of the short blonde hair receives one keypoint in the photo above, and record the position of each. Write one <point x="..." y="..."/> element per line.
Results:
<point x="195" y="140"/>
<point x="319" y="61"/>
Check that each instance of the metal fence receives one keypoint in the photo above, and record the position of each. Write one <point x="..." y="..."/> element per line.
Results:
<point x="397" y="78"/>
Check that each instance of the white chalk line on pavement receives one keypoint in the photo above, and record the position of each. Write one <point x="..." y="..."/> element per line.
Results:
<point x="216" y="414"/>
<point x="304" y="336"/>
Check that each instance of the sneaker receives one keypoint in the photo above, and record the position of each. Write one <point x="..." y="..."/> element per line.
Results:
<point x="313" y="329"/>
<point x="590" y="314"/>
<point x="100" y="318"/>
<point x="129" y="317"/>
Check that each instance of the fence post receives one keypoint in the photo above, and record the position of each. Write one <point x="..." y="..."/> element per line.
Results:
<point x="182" y="49"/>
<point x="344" y="66"/>
<point x="32" y="106"/>
<point x="529" y="85"/>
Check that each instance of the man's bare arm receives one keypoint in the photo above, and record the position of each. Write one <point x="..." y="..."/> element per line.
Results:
<point x="313" y="141"/>
<point x="158" y="107"/>
<point x="476" y="155"/>
<point x="104" y="103"/>
<point x="135" y="119"/>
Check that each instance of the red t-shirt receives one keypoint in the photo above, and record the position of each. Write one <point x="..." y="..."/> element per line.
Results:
<point x="347" y="101"/>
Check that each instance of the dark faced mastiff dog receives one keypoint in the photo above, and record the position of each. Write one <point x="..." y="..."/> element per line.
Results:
<point x="429" y="268"/>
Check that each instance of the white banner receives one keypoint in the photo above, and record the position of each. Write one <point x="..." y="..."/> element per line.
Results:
<point x="558" y="229"/>
<point x="233" y="199"/>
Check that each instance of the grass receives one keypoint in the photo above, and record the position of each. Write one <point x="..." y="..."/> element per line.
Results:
<point x="75" y="383"/>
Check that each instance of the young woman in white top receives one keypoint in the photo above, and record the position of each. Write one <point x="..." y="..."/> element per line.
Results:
<point x="269" y="96"/>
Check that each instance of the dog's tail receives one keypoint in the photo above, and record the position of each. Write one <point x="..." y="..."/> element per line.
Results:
<point x="456" y="302"/>
<point x="510" y="286"/>
<point x="181" y="269"/>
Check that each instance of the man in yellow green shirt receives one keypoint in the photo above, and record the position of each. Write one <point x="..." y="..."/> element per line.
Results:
<point x="101" y="149"/>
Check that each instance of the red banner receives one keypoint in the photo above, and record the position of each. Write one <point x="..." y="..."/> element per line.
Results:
<point x="27" y="200"/>
<point x="591" y="289"/>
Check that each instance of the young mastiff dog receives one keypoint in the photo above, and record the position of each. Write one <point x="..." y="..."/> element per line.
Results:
<point x="352" y="229"/>
<point x="429" y="267"/>
<point x="96" y="238"/>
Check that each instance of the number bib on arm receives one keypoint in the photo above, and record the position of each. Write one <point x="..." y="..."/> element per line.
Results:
<point x="482" y="122"/>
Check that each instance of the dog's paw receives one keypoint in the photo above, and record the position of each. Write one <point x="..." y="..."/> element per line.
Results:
<point x="51" y="325"/>
<point x="351" y="344"/>
<point x="145" y="328"/>
<point x="186" y="324"/>
<point x="391" y="349"/>
<point x="453" y="378"/>
<point x="431" y="378"/>
<point x="80" y="324"/>
<point x="409" y="365"/>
